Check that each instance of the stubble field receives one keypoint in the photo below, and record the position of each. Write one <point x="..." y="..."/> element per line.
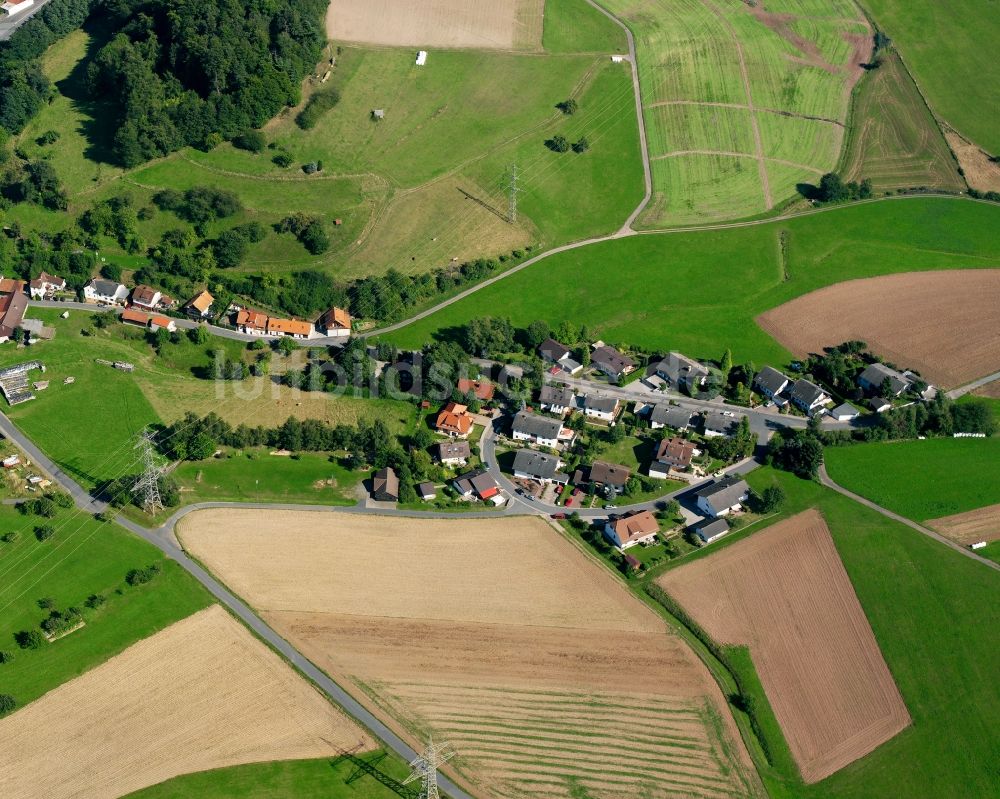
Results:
<point x="946" y="325"/>
<point x="497" y="635"/>
<point x="784" y="593"/>
<point x="201" y="694"/>
<point x="982" y="524"/>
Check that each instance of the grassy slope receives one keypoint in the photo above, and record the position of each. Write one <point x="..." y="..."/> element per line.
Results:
<point x="700" y="291"/>
<point x="948" y="48"/>
<point x="574" y="26"/>
<point x="918" y="597"/>
<point x="83" y="557"/>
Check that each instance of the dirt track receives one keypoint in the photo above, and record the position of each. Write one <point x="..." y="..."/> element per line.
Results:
<point x="201" y="694"/>
<point x="944" y="324"/>
<point x="982" y="524"/>
<point x="785" y="593"/>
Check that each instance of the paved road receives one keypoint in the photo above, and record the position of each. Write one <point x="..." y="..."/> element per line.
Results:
<point x="955" y="393"/>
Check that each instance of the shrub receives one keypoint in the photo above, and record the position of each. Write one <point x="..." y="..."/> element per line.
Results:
<point x="319" y="104"/>
<point x="49" y="137"/>
<point x="6" y="656"/>
<point x="568" y="107"/>
<point x="251" y="140"/>
<point x="310" y="167"/>
<point x="142" y="576"/>
<point x="94" y="601"/>
<point x="45" y="532"/>
<point x="46" y="603"/>
<point x="558" y="143"/>
<point x="7" y="704"/>
<point x="581" y="145"/>
<point x="61" y="500"/>
<point x="284" y="160"/>
<point x="29" y="639"/>
<point x="11" y="537"/>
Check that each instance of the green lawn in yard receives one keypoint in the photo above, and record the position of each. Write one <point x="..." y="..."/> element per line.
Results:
<point x="574" y="26"/>
<point x="293" y="779"/>
<point x="699" y="292"/>
<point x="921" y="479"/>
<point x="83" y="557"/>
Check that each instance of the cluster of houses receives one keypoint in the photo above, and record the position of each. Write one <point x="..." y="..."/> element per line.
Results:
<point x="334" y="323"/>
<point x="604" y="358"/>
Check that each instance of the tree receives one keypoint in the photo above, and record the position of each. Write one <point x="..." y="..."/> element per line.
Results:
<point x="251" y="140"/>
<point x="201" y="446"/>
<point x="581" y="145"/>
<point x="726" y="365"/>
<point x="771" y="499"/>
<point x="286" y="345"/>
<point x="6" y="656"/>
<point x="568" y="107"/>
<point x="7" y="704"/>
<point x="29" y="639"/>
<point x="136" y="577"/>
<point x="558" y="143"/>
<point x="45" y="532"/>
<point x="199" y="334"/>
<point x="798" y="452"/>
<point x="536" y="333"/>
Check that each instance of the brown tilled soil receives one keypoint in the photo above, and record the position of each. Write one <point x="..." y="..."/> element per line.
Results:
<point x="486" y="24"/>
<point x="945" y="324"/>
<point x="991" y="390"/>
<point x="201" y="694"/>
<point x="982" y="524"/>
<point x="980" y="172"/>
<point x="785" y="594"/>
<point x="496" y="634"/>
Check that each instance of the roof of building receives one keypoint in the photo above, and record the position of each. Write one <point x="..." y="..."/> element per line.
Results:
<point x="46" y="279"/>
<point x="771" y="380"/>
<point x="448" y="450"/>
<point x="537" y="464"/>
<point x="553" y="350"/>
<point x="717" y="422"/>
<point x="710" y="529"/>
<point x="247" y="317"/>
<point x="678" y="368"/>
<point x="634" y="525"/>
<point x="160" y="321"/>
<point x="724" y="493"/>
<point x="877" y="373"/>
<point x="479" y="481"/>
<point x="105" y="288"/>
<point x="845" y="409"/>
<point x="335" y="318"/>
<point x="482" y="389"/>
<point x="427" y="489"/>
<point x="610" y="358"/>
<point x="454" y="418"/>
<point x="675" y="450"/>
<point x="135" y="317"/>
<point x="600" y="404"/>
<point x="553" y="395"/>
<point x="10" y="285"/>
<point x="201" y="301"/>
<point x="293" y="327"/>
<point x="145" y="295"/>
<point x="612" y="474"/>
<point x="536" y="426"/>
<point x="386" y="481"/>
<point x="805" y="392"/>
<point x="879" y="404"/>
<point x="12" y="308"/>
<point x="671" y="416"/>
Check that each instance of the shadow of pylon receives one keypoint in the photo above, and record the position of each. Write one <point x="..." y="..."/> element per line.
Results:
<point x="369" y="766"/>
<point x="495" y="211"/>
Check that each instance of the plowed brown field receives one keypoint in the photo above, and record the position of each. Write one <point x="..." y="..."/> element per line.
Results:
<point x="982" y="524"/>
<point x="482" y="24"/>
<point x="945" y="324"/>
<point x="201" y="694"/>
<point x="497" y="635"/>
<point x="785" y="594"/>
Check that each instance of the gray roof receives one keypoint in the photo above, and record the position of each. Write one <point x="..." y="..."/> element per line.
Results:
<point x="718" y="423"/>
<point x="613" y="474"/>
<point x="724" y="493"/>
<point x="671" y="416"/>
<point x="844" y="409"/>
<point x="553" y="350"/>
<point x="426" y="489"/>
<point x="552" y="395"/>
<point x="679" y="369"/>
<point x="537" y="426"/>
<point x="805" y="392"/>
<point x="771" y="380"/>
<point x="600" y="404"/>
<point x="537" y="464"/>
<point x="877" y="373"/>
<point x="478" y="481"/>
<point x="454" y="449"/>
<point x="611" y="359"/>
<point x="106" y="288"/>
<point x="710" y="529"/>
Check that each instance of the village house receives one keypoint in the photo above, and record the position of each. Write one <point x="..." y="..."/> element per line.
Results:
<point x="539" y="430"/>
<point x="629" y="529"/>
<point x="14" y="7"/>
<point x="603" y="408"/>
<point x="611" y="476"/>
<point x="294" y="328"/>
<point x="105" y="292"/>
<point x="478" y="484"/>
<point x="12" y="309"/>
<point x="200" y="305"/>
<point x="157" y="321"/>
<point x="709" y="530"/>
<point x="719" y="423"/>
<point x="454" y="420"/>
<point x="808" y="396"/>
<point x="385" y="486"/>
<point x="612" y="362"/>
<point x="875" y="376"/>
<point x="671" y="453"/>
<point x="252" y="322"/>
<point x="146" y="297"/>
<point x="10" y="285"/>
<point x="556" y="400"/>
<point x="530" y="464"/>
<point x="770" y="383"/>
<point x="560" y="356"/>
<point x="454" y="453"/>
<point x="482" y="390"/>
<point x="844" y="413"/>
<point x="672" y="416"/>
<point x="723" y="496"/>
<point x="879" y="404"/>
<point x="45" y="286"/>
<point x="427" y="491"/>
<point x="335" y="323"/>
<point x="681" y="373"/>
<point x="130" y="316"/>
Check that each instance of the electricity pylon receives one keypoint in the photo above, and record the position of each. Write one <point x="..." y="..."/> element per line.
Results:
<point x="513" y="175"/>
<point x="147" y="487"/>
<point x="425" y="768"/>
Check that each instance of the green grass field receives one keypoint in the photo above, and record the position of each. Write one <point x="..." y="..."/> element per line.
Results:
<point x="83" y="557"/>
<point x="948" y="48"/>
<point x="573" y="26"/>
<point x="699" y="292"/>
<point x="895" y="140"/>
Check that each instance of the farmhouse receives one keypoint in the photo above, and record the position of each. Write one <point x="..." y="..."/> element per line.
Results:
<point x="609" y="475"/>
<point x="555" y="353"/>
<point x="723" y="496"/>
<point x="671" y="453"/>
<point x="385" y="486"/>
<point x="105" y="292"/>
<point x="289" y="327"/>
<point x="482" y="390"/>
<point x="556" y="400"/>
<point x="708" y="531"/>
<point x="12" y="309"/>
<point x="335" y="323"/>
<point x="454" y="453"/>
<point x="629" y="529"/>
<point x="530" y="464"/>
<point x="719" y="423"/>
<point x="479" y="484"/>
<point x="539" y="430"/>
<point x="603" y="408"/>
<point x="146" y="297"/>
<point x="873" y="379"/>
<point x="808" y="396"/>
<point x="610" y="361"/>
<point x="770" y="382"/>
<point x="454" y="420"/>
<point x="670" y="416"/>
<point x="251" y="322"/>
<point x="681" y="372"/>
<point x="200" y="305"/>
<point x="45" y="285"/>
<point x="844" y="412"/>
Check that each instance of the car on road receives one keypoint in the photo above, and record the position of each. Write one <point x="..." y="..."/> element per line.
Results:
<point x="558" y="516"/>
<point x="609" y="506"/>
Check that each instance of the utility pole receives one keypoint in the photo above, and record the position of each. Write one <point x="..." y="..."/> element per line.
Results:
<point x="425" y="768"/>
<point x="513" y="175"/>
<point x="147" y="487"/>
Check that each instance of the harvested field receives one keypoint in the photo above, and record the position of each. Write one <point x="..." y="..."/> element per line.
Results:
<point x="498" y="635"/>
<point x="784" y="593"/>
<point x="201" y="694"/>
<point x="946" y="325"/>
<point x="980" y="171"/>
<point x="490" y="24"/>
<point x="982" y="524"/>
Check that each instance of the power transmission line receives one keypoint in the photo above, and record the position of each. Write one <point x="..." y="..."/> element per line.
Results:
<point x="513" y="174"/>
<point x="147" y="487"/>
<point x="425" y="767"/>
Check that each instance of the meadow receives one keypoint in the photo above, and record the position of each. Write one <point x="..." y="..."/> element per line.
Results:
<point x="949" y="50"/>
<point x="700" y="292"/>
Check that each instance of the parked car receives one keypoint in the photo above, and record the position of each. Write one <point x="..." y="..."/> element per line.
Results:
<point x="558" y="516"/>
<point x="609" y="506"/>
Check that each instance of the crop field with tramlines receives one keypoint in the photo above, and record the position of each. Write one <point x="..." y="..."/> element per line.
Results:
<point x="742" y="102"/>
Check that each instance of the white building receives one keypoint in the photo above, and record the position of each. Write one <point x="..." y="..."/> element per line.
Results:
<point x="105" y="292"/>
<point x="723" y="496"/>
<point x="537" y="429"/>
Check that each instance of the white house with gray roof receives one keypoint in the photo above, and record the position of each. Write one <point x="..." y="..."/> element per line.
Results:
<point x="681" y="372"/>
<point x="770" y="383"/>
<point x="539" y="430"/>
<point x="530" y="464"/>
<point x="612" y="362"/>
<point x="674" y="416"/>
<point x="723" y="496"/>
<point x="603" y="408"/>
<point x="808" y="396"/>
<point x="556" y="400"/>
<point x="873" y="378"/>
<point x="105" y="292"/>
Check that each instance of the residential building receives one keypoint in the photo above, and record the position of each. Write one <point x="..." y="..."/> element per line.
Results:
<point x="105" y="292"/>
<point x="14" y="7"/>
<point x="539" y="430"/>
<point x="146" y="297"/>
<point x="251" y="322"/>
<point x="718" y="424"/>
<point x="681" y="373"/>
<point x="612" y="362"/>
<point x="454" y="420"/>
<point x="603" y="408"/>
<point x="295" y="328"/>
<point x="560" y="356"/>
<point x="45" y="285"/>
<point x="482" y="390"/>
<point x="844" y="413"/>
<point x="629" y="529"/>
<point x="478" y="484"/>
<point x="609" y="475"/>
<point x="673" y="416"/>
<point x="200" y="305"/>
<point x="873" y="378"/>
<point x="10" y="285"/>
<point x="157" y="321"/>
<point x="770" y="383"/>
<point x="709" y="530"/>
<point x="556" y="400"/>
<point x="385" y="486"/>
<point x="808" y="396"/>
<point x="673" y="453"/>
<point x="427" y="491"/>
<point x="723" y="496"/>
<point x="879" y="405"/>
<point x="454" y="452"/>
<point x="335" y="323"/>
<point x="529" y="464"/>
<point x="12" y="309"/>
<point x="130" y="316"/>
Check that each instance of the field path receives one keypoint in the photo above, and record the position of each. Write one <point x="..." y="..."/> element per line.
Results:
<point x="677" y="153"/>
<point x="742" y="107"/>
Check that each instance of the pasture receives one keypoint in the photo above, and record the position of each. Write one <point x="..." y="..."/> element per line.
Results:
<point x="784" y="593"/>
<point x="201" y="694"/>
<point x="894" y="139"/>
<point x="700" y="292"/>
<point x="528" y="656"/>
<point x="957" y="342"/>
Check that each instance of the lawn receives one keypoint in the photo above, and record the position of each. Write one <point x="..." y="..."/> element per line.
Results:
<point x="699" y="292"/>
<point x="921" y="479"/>
<point x="82" y="558"/>
<point x="948" y="48"/>
<point x="895" y="140"/>
<point x="574" y="26"/>
<point x="294" y="779"/>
